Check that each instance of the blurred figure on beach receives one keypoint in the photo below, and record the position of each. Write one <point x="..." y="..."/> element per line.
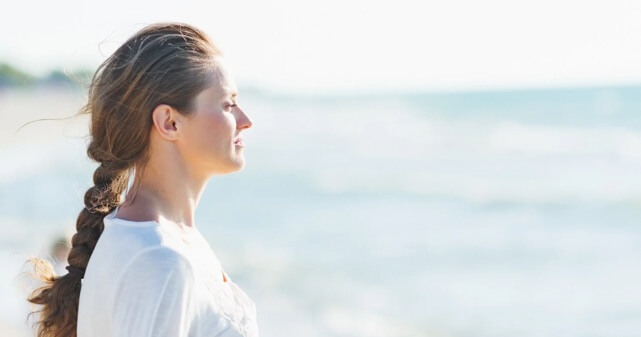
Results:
<point x="59" y="252"/>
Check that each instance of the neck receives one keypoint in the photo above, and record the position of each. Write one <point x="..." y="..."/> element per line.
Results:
<point x="166" y="191"/>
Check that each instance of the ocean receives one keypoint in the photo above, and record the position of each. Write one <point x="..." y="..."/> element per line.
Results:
<point x="471" y="214"/>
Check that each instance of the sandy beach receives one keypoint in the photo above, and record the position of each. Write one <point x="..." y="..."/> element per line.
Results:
<point x="9" y="330"/>
<point x="23" y="105"/>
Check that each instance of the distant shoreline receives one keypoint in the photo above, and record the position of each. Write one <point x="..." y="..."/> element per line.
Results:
<point x="12" y="77"/>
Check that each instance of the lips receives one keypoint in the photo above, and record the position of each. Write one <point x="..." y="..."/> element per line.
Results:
<point x="239" y="142"/>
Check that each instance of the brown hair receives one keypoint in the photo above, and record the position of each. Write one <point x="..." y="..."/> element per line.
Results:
<point x="164" y="63"/>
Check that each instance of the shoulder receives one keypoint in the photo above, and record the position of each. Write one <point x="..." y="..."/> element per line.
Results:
<point x="120" y="245"/>
<point x="154" y="295"/>
<point x="157" y="263"/>
<point x="152" y="277"/>
<point x="123" y="245"/>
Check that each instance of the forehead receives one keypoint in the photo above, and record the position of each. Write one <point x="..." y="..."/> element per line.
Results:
<point x="222" y="85"/>
<point x="222" y="82"/>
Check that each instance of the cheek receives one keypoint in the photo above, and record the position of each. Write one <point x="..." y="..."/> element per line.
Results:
<point x="217" y="131"/>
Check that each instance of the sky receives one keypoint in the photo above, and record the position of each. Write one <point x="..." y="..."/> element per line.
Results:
<point x="354" y="45"/>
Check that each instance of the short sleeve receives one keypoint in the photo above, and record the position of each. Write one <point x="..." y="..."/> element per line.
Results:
<point x="153" y="295"/>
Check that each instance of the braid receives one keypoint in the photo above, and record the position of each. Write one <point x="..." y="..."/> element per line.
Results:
<point x="109" y="183"/>
<point x="59" y="316"/>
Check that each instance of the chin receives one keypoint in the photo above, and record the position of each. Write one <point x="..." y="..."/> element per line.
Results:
<point x="233" y="166"/>
<point x="240" y="166"/>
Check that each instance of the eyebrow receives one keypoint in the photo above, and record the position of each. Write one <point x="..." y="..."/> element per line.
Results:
<point x="228" y="92"/>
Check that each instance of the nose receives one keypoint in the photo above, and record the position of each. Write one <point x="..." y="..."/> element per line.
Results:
<point x="242" y="120"/>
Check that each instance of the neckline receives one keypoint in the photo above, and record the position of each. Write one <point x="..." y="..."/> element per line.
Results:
<point x="111" y="217"/>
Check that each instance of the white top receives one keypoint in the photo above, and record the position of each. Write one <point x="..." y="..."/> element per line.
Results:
<point x="152" y="278"/>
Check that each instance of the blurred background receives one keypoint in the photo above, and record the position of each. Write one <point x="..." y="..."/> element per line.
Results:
<point x="450" y="168"/>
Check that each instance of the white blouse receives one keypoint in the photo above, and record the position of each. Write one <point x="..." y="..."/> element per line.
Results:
<point x="152" y="278"/>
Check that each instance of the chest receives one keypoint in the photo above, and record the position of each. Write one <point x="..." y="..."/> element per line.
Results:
<point x="221" y="296"/>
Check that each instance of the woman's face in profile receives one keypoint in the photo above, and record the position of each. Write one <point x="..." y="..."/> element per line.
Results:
<point x="211" y="134"/>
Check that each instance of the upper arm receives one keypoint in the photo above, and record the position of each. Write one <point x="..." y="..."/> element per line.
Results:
<point x="153" y="295"/>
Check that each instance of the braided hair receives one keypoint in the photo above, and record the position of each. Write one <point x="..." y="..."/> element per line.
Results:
<point x="163" y="63"/>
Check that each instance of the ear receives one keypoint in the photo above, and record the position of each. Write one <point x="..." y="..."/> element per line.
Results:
<point x="166" y="121"/>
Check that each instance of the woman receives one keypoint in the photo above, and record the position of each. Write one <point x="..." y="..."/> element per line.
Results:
<point x="163" y="112"/>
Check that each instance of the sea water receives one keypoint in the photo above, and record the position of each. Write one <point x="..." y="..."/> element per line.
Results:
<point x="506" y="213"/>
